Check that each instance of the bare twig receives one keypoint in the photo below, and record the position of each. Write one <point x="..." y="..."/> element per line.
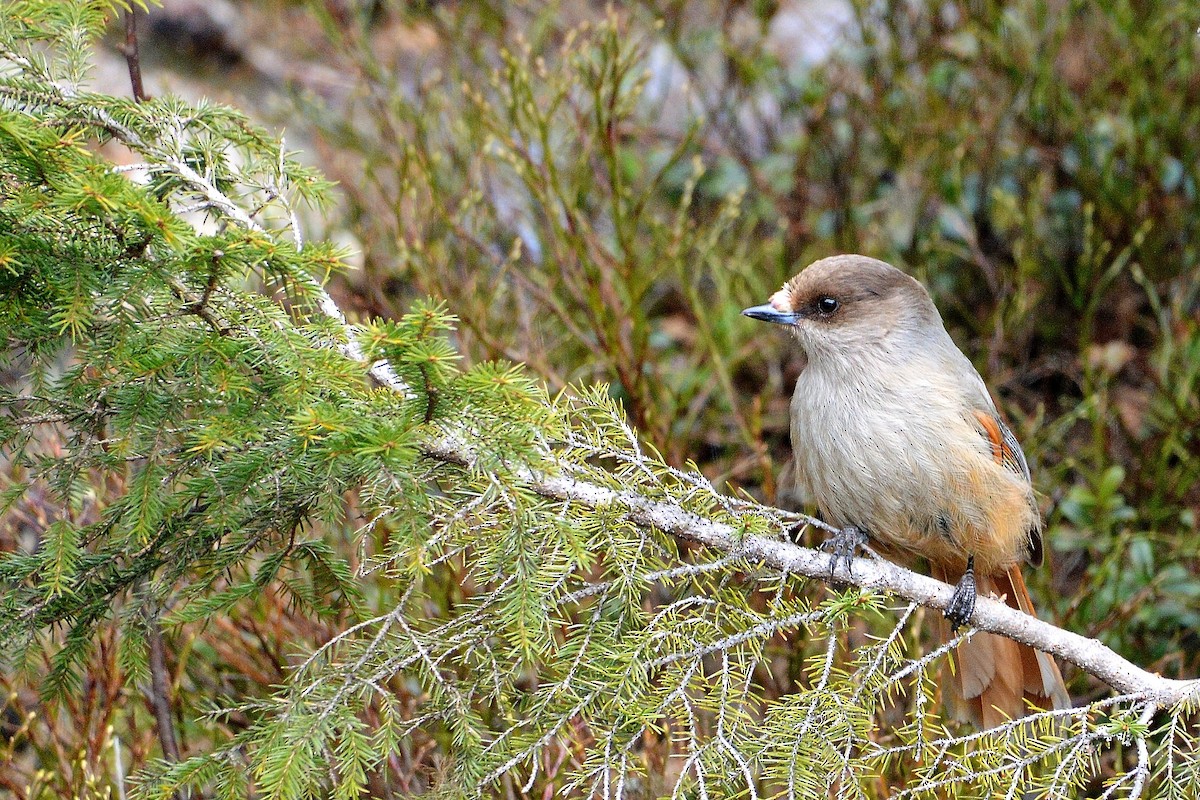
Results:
<point x="132" y="58"/>
<point x="160" y="689"/>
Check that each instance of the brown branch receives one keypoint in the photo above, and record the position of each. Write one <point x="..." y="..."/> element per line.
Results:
<point x="160" y="689"/>
<point x="132" y="57"/>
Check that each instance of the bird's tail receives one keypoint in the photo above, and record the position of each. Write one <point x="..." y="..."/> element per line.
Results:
<point x="997" y="677"/>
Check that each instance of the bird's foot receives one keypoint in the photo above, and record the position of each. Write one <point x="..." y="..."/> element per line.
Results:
<point x="843" y="546"/>
<point x="962" y="602"/>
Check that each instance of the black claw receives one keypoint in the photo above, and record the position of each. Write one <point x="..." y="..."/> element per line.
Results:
<point x="843" y="546"/>
<point x="962" y="602"/>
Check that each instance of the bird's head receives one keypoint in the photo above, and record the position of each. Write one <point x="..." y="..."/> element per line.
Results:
<point x="848" y="304"/>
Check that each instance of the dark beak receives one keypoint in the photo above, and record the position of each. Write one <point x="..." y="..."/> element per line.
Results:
<point x="768" y="313"/>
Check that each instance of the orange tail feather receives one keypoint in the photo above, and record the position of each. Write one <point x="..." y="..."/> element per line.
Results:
<point x="997" y="677"/>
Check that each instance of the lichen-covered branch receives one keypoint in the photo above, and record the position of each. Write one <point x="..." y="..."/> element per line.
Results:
<point x="880" y="575"/>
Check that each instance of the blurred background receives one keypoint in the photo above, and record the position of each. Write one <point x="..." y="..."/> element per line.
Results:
<point x="596" y="191"/>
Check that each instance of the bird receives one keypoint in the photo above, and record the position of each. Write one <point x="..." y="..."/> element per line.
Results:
<point x="898" y="442"/>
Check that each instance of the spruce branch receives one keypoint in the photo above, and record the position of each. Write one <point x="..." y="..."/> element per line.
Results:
<point x="68" y="97"/>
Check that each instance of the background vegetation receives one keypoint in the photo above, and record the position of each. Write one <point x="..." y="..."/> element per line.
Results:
<point x="201" y="490"/>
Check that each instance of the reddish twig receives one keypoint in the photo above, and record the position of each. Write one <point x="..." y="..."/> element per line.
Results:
<point x="132" y="58"/>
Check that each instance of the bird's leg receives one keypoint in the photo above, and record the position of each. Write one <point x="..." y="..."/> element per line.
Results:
<point x="843" y="546"/>
<point x="962" y="602"/>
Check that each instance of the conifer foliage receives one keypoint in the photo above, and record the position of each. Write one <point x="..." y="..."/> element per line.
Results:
<point x="188" y="424"/>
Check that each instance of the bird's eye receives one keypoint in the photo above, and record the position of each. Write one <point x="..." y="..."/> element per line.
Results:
<point x="827" y="305"/>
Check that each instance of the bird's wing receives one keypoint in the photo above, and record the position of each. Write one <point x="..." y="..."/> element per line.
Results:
<point x="1005" y="447"/>
<point x="1007" y="452"/>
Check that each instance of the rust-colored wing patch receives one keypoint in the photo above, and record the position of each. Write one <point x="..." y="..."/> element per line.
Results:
<point x="1005" y="447"/>
<point x="1007" y="452"/>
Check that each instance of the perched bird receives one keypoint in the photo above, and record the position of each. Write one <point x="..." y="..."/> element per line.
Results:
<point x="898" y="442"/>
